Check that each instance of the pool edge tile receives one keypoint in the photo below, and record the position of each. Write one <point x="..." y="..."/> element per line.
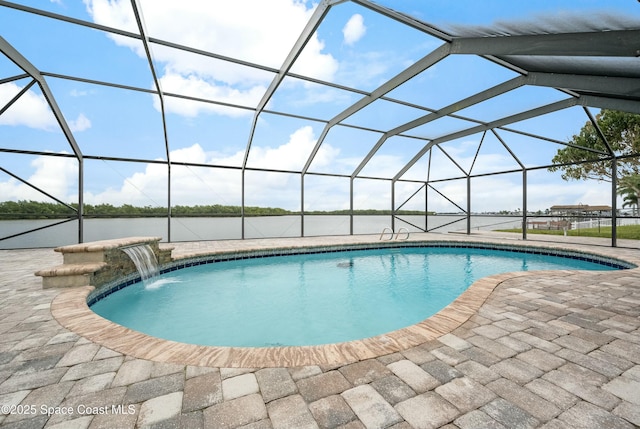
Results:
<point x="70" y="308"/>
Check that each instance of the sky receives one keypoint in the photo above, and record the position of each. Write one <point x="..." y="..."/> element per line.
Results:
<point x="353" y="47"/>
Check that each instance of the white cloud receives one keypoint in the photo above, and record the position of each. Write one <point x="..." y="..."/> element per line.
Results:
<point x="252" y="30"/>
<point x="55" y="175"/>
<point x="221" y="186"/>
<point x="195" y="86"/>
<point x="383" y="165"/>
<point x="111" y="13"/>
<point x="196" y="185"/>
<point x="546" y="194"/>
<point x="313" y="63"/>
<point x="79" y="124"/>
<point x="190" y="186"/>
<point x="78" y="93"/>
<point x="30" y="110"/>
<point x="293" y="154"/>
<point x="315" y="95"/>
<point x="369" y="68"/>
<point x="354" y="29"/>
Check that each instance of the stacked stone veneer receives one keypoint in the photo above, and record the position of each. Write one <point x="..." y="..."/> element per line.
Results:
<point x="99" y="262"/>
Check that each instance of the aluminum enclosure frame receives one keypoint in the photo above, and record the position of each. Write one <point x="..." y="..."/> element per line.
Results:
<point x="540" y="60"/>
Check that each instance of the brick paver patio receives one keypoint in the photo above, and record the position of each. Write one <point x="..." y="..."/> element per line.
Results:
<point x="547" y="351"/>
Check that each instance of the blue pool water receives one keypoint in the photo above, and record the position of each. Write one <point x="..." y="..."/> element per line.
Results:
<point x="311" y="298"/>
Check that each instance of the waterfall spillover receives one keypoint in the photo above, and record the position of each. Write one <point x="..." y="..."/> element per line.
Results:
<point x="144" y="260"/>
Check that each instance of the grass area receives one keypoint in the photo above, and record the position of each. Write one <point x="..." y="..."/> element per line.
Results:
<point x="631" y="232"/>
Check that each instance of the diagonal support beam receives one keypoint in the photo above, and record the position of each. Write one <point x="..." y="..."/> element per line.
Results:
<point x="43" y="192"/>
<point x="147" y="49"/>
<point x="453" y="161"/>
<point x="549" y="108"/>
<point x="318" y="15"/>
<point x="508" y="148"/>
<point x="156" y="81"/>
<point x="24" y="64"/>
<point x="452" y="108"/>
<point x="463" y="104"/>
<point x="416" y="68"/>
<point x="448" y="199"/>
<point x="596" y="126"/>
<point x="405" y="19"/>
<point x="13" y="78"/>
<point x="410" y="72"/>
<point x="17" y="96"/>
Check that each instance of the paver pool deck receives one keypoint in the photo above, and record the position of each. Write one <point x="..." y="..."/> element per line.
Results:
<point x="548" y="350"/>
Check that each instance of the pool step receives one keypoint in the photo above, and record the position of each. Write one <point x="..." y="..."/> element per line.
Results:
<point x="69" y="275"/>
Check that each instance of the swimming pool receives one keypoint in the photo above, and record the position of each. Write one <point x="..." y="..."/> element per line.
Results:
<point x="314" y="298"/>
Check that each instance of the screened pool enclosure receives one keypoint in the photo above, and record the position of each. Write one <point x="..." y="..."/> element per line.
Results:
<point x="232" y="120"/>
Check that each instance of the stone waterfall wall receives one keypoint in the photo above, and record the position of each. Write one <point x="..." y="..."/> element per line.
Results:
<point x="99" y="262"/>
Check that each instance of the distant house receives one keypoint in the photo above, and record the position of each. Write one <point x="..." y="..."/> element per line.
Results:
<point x="580" y="210"/>
<point x="569" y="211"/>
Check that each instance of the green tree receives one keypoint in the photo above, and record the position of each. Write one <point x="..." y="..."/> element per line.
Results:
<point x="629" y="189"/>
<point x="622" y="131"/>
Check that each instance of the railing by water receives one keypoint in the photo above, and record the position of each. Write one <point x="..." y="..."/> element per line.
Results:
<point x="604" y="222"/>
<point x="391" y="233"/>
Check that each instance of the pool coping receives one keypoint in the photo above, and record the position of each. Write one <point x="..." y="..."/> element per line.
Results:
<point x="71" y="310"/>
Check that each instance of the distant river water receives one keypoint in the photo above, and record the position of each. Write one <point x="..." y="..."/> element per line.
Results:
<point x="225" y="228"/>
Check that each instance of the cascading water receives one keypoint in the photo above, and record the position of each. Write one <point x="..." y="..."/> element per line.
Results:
<point x="144" y="260"/>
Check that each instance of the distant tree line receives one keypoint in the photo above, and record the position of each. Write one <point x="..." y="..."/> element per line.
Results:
<point x="45" y="210"/>
<point x="33" y="210"/>
<point x="366" y="212"/>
